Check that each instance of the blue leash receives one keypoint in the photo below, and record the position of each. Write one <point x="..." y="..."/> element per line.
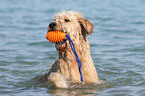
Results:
<point x="76" y="55"/>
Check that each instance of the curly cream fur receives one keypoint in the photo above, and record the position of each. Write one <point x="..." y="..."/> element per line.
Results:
<point x="66" y="67"/>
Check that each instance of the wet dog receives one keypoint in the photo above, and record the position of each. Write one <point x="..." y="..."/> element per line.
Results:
<point x="65" y="68"/>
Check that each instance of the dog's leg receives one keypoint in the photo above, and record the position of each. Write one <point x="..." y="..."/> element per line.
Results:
<point x="57" y="80"/>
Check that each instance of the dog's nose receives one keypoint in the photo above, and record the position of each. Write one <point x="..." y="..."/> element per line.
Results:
<point x="52" y="24"/>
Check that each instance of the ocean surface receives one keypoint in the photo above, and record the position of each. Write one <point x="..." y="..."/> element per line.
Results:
<point x="117" y="46"/>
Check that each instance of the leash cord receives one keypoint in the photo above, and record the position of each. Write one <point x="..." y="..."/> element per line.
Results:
<point x="76" y="55"/>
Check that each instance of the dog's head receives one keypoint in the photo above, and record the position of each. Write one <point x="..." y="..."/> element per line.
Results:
<point x="73" y="24"/>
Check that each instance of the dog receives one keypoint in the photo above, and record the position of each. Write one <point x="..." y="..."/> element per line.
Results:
<point x="65" y="68"/>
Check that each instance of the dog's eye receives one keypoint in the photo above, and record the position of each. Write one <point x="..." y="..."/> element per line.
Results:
<point x="66" y="20"/>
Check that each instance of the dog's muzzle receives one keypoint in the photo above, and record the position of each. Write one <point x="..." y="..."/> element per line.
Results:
<point x="61" y="46"/>
<point x="55" y="36"/>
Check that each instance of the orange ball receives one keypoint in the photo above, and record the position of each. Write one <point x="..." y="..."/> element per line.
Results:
<point x="55" y="36"/>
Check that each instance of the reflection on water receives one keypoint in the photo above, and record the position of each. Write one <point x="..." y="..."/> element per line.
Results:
<point x="80" y="89"/>
<point x="75" y="89"/>
<point x="75" y="92"/>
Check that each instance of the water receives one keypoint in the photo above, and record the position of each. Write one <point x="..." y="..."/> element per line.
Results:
<point x="117" y="46"/>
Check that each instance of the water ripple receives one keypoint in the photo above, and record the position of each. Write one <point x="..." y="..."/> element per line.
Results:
<point x="117" y="46"/>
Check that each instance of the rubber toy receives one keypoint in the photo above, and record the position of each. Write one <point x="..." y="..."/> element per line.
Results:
<point x="55" y="36"/>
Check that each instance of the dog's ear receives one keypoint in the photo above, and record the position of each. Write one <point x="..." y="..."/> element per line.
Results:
<point x="86" y="25"/>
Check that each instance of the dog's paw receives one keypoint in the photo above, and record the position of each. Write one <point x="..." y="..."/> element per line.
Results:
<point x="57" y="80"/>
